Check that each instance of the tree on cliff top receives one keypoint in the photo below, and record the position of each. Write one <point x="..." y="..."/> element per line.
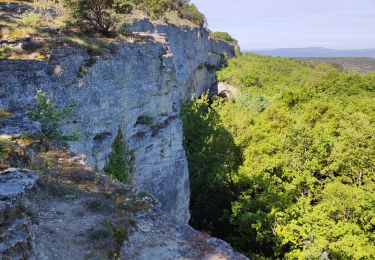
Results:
<point x="100" y="16"/>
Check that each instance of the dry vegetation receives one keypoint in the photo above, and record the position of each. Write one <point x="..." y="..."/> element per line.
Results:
<point x="31" y="29"/>
<point x="76" y="209"/>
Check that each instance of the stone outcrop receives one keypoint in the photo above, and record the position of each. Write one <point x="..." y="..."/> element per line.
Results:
<point x="15" y="227"/>
<point x="157" y="236"/>
<point x="137" y="86"/>
<point x="13" y="183"/>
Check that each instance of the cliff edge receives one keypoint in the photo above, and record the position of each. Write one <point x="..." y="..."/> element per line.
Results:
<point x="137" y="86"/>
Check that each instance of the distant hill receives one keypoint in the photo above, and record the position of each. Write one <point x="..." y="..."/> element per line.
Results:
<point x="359" y="64"/>
<point x="315" y="52"/>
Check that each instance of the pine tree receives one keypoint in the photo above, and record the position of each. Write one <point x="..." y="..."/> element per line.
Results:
<point x="118" y="165"/>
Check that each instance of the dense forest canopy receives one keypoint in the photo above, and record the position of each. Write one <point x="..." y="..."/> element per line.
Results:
<point x="287" y="168"/>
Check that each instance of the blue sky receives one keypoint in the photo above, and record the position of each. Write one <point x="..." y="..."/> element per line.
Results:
<point x="267" y="24"/>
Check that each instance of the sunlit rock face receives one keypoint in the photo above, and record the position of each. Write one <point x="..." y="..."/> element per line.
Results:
<point x="136" y="86"/>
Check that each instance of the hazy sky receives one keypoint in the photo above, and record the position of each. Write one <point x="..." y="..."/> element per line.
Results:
<point x="264" y="24"/>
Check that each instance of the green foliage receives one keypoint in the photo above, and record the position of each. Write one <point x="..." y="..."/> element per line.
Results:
<point x="95" y="205"/>
<point x="50" y="118"/>
<point x="104" y="231"/>
<point x="223" y="36"/>
<point x="31" y="19"/>
<point x="305" y="188"/>
<point x="159" y="7"/>
<point x="191" y="13"/>
<point x="5" y="52"/>
<point x="146" y="120"/>
<point x="108" y="16"/>
<point x="185" y="10"/>
<point x="101" y="16"/>
<point x="5" y="149"/>
<point x="119" y="162"/>
<point x="213" y="163"/>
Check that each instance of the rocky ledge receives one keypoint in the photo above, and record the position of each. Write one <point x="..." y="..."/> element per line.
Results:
<point x="15" y="225"/>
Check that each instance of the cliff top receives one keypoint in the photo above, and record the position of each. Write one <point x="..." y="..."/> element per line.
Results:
<point x="31" y="29"/>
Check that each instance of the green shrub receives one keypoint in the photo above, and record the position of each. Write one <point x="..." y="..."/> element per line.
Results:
<point x="123" y="6"/>
<point x="5" y="148"/>
<point x="119" y="162"/>
<point x="95" y="205"/>
<point x="191" y="13"/>
<point x="160" y="7"/>
<point x="100" y="16"/>
<point x="31" y="19"/>
<point x="146" y="120"/>
<point x="50" y="118"/>
<point x="5" y="52"/>
<point x="223" y="36"/>
<point x="104" y="231"/>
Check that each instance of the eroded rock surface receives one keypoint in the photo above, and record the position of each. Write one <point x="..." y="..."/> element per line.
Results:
<point x="15" y="226"/>
<point x="157" y="236"/>
<point x="17" y="125"/>
<point x="14" y="183"/>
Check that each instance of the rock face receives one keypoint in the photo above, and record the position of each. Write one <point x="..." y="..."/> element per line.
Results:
<point x="18" y="125"/>
<point x="156" y="236"/>
<point x="16" y="237"/>
<point x="14" y="183"/>
<point x="136" y="86"/>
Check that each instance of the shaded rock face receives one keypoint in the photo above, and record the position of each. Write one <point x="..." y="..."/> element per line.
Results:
<point x="130" y="82"/>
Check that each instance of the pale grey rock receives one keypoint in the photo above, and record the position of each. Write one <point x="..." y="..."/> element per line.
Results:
<point x="157" y="236"/>
<point x="16" y="240"/>
<point x="129" y="82"/>
<point x="222" y="246"/>
<point x="15" y="182"/>
<point x="14" y="8"/>
<point x="15" y="237"/>
<point x="17" y="125"/>
<point x="224" y="89"/>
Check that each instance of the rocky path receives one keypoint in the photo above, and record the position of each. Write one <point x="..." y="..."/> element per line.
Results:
<point x="63" y="231"/>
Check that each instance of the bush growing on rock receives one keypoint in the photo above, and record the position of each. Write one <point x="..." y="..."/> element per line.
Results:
<point x="50" y="118"/>
<point x="223" y="36"/>
<point x="191" y="13"/>
<point x="119" y="162"/>
<point x="5" y="148"/>
<point x="185" y="10"/>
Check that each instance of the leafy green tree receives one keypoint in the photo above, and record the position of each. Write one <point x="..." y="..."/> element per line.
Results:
<point x="213" y="163"/>
<point x="98" y="16"/>
<point x="304" y="188"/>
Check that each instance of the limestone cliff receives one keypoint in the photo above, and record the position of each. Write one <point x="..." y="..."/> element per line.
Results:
<point x="137" y="86"/>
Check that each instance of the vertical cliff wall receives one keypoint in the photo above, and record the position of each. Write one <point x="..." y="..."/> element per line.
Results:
<point x="136" y="86"/>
